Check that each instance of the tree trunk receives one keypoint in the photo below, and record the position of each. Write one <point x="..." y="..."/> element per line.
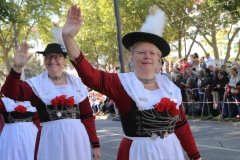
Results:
<point x="230" y="44"/>
<point x="179" y="44"/>
<point x="214" y="41"/>
<point x="236" y="59"/>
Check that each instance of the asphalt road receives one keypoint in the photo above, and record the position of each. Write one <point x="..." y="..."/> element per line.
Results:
<point x="215" y="140"/>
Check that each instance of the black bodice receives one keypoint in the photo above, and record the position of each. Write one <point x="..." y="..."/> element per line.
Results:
<point x="145" y="123"/>
<point x="50" y="113"/>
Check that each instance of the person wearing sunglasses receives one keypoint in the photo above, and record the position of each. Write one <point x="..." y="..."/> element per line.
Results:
<point x="68" y="126"/>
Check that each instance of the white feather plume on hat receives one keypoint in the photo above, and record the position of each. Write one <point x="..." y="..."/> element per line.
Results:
<point x="57" y="33"/>
<point x="155" y="22"/>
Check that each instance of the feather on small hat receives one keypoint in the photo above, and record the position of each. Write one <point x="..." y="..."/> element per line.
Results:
<point x="151" y="31"/>
<point x="57" y="47"/>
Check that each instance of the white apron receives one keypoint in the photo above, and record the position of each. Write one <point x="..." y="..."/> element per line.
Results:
<point x="17" y="140"/>
<point x="68" y="141"/>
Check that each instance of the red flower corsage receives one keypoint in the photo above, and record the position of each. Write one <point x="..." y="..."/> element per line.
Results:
<point x="167" y="104"/>
<point x="62" y="100"/>
<point x="20" y="109"/>
<point x="69" y="102"/>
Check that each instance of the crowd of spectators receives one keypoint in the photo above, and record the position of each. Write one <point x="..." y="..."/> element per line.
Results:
<point x="101" y="104"/>
<point x="213" y="89"/>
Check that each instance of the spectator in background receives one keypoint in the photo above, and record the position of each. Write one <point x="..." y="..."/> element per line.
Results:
<point x="211" y="69"/>
<point x="130" y="67"/>
<point x="103" y="107"/>
<point x="191" y="57"/>
<point x="174" y="73"/>
<point x="235" y="64"/>
<point x="236" y="97"/>
<point x="195" y="61"/>
<point x="224" y="68"/>
<point x="110" y="108"/>
<point x="165" y="72"/>
<point x="178" y="82"/>
<point x="202" y="64"/>
<point x="223" y="80"/>
<point x="232" y="85"/>
<point x="208" y="57"/>
<point x="190" y="83"/>
<point x="215" y="94"/>
<point x="185" y="65"/>
<point x="209" y="60"/>
<point x="205" y="83"/>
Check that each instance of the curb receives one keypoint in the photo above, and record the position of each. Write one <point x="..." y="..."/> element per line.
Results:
<point x="236" y="124"/>
<point x="101" y="117"/>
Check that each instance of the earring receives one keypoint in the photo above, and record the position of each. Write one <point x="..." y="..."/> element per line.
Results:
<point x="158" y="68"/>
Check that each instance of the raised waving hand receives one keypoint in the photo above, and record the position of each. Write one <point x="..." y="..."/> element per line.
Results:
<point x="73" y="22"/>
<point x="21" y="57"/>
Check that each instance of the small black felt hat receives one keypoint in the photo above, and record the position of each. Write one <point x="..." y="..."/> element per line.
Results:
<point x="54" y="48"/>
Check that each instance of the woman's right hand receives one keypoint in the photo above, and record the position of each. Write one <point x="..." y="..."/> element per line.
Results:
<point x="73" y="22"/>
<point x="21" y="57"/>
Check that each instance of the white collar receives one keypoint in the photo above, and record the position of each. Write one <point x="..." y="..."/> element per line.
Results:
<point x="138" y="93"/>
<point x="11" y="104"/>
<point x="44" y="88"/>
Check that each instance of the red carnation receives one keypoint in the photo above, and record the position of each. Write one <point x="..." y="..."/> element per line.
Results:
<point x="55" y="102"/>
<point x="159" y="107"/>
<point x="20" y="109"/>
<point x="61" y="99"/>
<point x="167" y="104"/>
<point x="174" y="111"/>
<point x="69" y="102"/>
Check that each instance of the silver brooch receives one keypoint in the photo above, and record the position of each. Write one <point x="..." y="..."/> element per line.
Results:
<point x="59" y="114"/>
<point x="154" y="136"/>
<point x="143" y="99"/>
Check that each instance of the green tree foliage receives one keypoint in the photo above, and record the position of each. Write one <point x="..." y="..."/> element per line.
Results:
<point x="98" y="35"/>
<point x="26" y="13"/>
<point x="35" y="67"/>
<point x="233" y="6"/>
<point x="6" y="14"/>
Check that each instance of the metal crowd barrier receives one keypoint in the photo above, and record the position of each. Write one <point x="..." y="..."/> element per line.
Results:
<point x="205" y="101"/>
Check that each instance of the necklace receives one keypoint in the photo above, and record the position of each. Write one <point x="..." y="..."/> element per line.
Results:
<point x="147" y="81"/>
<point x="56" y="78"/>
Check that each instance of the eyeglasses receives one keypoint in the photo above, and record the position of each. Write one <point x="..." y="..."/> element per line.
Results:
<point x="144" y="53"/>
<point x="55" y="57"/>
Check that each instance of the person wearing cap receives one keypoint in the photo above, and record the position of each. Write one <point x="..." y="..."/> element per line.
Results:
<point x="149" y="104"/>
<point x="62" y="104"/>
<point x="18" y="137"/>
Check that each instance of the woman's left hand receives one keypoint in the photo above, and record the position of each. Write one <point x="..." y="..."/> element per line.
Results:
<point x="96" y="153"/>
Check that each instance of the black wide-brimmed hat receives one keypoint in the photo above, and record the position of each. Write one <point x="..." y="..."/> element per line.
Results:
<point x="151" y="31"/>
<point x="131" y="38"/>
<point x="54" y="48"/>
